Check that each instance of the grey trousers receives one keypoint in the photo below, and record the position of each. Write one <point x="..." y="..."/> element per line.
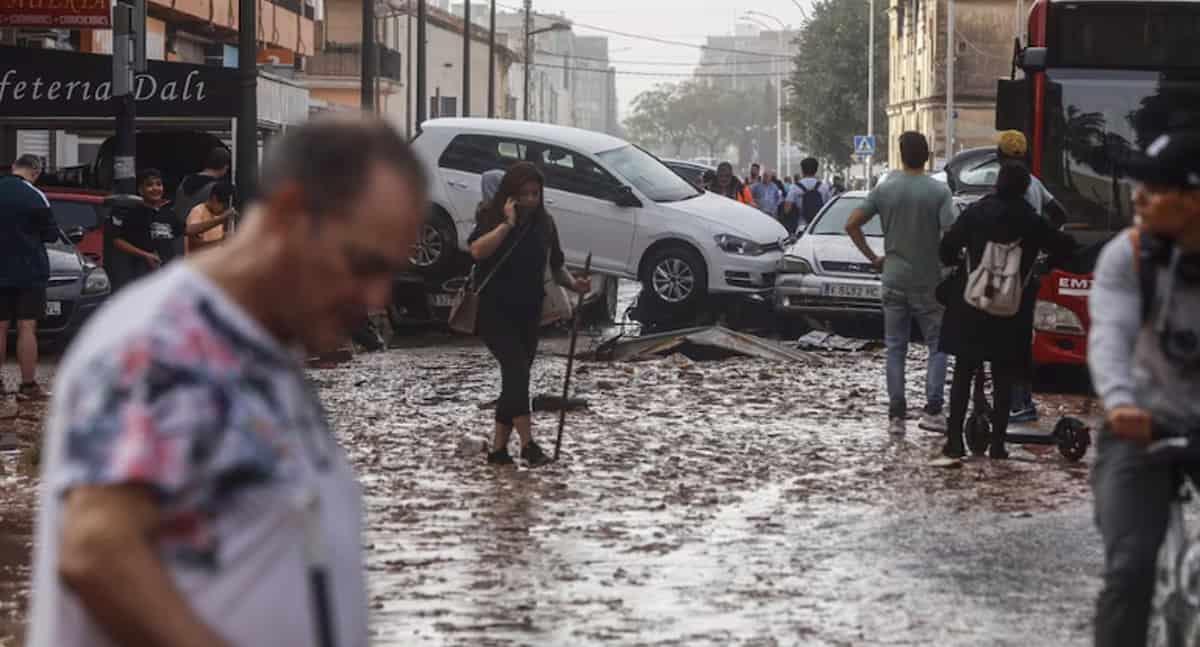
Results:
<point x="1132" y="499"/>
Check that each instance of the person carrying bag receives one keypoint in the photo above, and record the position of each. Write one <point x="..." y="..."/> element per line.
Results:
<point x="990" y="302"/>
<point x="515" y="245"/>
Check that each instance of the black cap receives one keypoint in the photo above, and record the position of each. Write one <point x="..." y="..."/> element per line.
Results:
<point x="1172" y="160"/>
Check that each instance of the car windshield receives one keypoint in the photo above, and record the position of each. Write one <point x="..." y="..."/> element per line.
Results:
<point x="833" y="221"/>
<point x="649" y="175"/>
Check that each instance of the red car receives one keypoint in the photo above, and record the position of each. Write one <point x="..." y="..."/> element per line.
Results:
<point x="81" y="214"/>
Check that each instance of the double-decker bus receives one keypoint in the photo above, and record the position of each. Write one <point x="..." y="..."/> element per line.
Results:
<point x="1102" y="79"/>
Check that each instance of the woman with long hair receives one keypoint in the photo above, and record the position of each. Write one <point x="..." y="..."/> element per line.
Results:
<point x="514" y="242"/>
<point x="728" y="185"/>
<point x="974" y="336"/>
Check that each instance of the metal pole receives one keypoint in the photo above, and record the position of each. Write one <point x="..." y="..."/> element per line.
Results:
<point x="492" y="62"/>
<point x="950" y="56"/>
<point x="779" y="152"/>
<point x="870" y="84"/>
<point x="367" y="81"/>
<point x="422" y="66"/>
<point x="466" y="89"/>
<point x="528" y="53"/>
<point x="125" y="157"/>
<point x="408" y="74"/>
<point x="247" y="123"/>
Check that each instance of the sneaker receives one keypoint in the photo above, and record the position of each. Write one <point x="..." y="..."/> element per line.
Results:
<point x="32" y="392"/>
<point x="501" y="457"/>
<point x="934" y="422"/>
<point x="897" y="426"/>
<point x="534" y="456"/>
<point x="1024" y="414"/>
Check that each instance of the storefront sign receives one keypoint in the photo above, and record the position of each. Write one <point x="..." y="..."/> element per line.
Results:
<point x="62" y="14"/>
<point x="51" y="83"/>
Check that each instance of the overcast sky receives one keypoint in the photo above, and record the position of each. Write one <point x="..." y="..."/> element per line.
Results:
<point x="682" y="20"/>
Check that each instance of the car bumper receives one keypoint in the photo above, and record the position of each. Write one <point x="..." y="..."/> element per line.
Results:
<point x="808" y="295"/>
<point x="744" y="274"/>
<point x="1053" y="349"/>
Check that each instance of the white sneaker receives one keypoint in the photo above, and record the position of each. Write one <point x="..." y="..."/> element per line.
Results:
<point x="897" y="426"/>
<point x="933" y="422"/>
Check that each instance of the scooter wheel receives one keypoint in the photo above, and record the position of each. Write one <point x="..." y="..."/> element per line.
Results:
<point x="1073" y="438"/>
<point x="979" y="434"/>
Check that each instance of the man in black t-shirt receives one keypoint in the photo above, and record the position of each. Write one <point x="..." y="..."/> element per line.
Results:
<point x="143" y="237"/>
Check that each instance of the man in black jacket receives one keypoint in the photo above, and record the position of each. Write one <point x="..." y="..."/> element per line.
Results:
<point x="26" y="225"/>
<point x="195" y="188"/>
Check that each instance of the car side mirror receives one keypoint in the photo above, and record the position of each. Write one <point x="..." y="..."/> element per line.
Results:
<point x="624" y="197"/>
<point x="1032" y="59"/>
<point x="75" y="234"/>
<point x="952" y="179"/>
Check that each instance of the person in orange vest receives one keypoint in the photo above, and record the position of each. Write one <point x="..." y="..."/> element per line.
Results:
<point x="729" y="186"/>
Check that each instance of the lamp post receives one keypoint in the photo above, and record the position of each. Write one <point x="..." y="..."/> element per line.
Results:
<point x="530" y="32"/>
<point x="492" y="62"/>
<point x="785" y="162"/>
<point x="751" y="17"/>
<point x="466" y="64"/>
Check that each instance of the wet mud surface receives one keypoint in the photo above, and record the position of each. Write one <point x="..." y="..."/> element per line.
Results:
<point x="739" y="502"/>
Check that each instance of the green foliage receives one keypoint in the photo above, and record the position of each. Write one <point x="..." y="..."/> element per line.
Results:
<point x="673" y="115"/>
<point x="828" y="85"/>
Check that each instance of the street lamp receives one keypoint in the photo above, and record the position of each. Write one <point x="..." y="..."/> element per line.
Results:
<point x="530" y="32"/>
<point x="780" y="163"/>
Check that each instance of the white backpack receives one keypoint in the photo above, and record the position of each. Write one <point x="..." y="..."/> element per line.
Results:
<point x="996" y="286"/>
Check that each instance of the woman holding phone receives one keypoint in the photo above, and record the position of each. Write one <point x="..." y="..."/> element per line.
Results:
<point x="514" y="240"/>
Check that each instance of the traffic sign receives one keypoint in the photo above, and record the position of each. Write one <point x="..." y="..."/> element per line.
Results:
<point x="864" y="145"/>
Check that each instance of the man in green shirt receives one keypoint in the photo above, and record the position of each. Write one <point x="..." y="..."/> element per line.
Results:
<point x="914" y="209"/>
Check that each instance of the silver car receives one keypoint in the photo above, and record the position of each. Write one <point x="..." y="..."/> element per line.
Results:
<point x="824" y="281"/>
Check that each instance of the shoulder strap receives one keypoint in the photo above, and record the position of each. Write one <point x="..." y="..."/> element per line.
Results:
<point x="495" y="268"/>
<point x="1143" y="265"/>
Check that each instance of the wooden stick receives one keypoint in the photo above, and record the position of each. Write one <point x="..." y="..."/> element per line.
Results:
<point x="562" y="412"/>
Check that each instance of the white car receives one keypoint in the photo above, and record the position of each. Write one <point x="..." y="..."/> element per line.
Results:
<point x="637" y="218"/>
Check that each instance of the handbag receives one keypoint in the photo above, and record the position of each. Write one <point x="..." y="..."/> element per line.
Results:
<point x="556" y="306"/>
<point x="464" y="308"/>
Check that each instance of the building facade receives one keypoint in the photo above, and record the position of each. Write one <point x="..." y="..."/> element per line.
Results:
<point x="984" y="33"/>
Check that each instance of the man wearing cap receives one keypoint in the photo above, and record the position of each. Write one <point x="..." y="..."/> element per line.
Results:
<point x="1144" y="356"/>
<point x="1011" y="146"/>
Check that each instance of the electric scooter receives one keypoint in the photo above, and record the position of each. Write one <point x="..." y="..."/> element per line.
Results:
<point x="1071" y="435"/>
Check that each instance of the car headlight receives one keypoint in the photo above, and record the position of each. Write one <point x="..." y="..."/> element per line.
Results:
<point x="794" y="265"/>
<point x="1053" y="318"/>
<point x="740" y="246"/>
<point x="96" y="282"/>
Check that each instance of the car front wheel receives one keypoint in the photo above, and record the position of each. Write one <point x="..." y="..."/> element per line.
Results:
<point x="434" y="251"/>
<point x="675" y="277"/>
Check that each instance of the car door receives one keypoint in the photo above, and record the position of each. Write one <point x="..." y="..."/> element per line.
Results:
<point x="579" y="194"/>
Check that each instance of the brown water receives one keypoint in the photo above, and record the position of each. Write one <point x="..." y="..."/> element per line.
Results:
<point x="731" y="503"/>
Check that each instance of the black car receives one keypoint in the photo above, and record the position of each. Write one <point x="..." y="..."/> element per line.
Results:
<point x="690" y="171"/>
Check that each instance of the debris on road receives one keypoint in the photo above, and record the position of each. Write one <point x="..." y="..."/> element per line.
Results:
<point x="819" y="340"/>
<point x="700" y="344"/>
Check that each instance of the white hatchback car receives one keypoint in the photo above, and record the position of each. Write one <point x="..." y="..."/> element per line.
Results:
<point x="637" y="218"/>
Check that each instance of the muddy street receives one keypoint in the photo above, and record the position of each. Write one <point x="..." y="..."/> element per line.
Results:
<point x="731" y="502"/>
<point x="734" y="502"/>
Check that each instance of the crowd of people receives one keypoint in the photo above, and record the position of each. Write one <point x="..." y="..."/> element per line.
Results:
<point x="793" y="200"/>
<point x="187" y="459"/>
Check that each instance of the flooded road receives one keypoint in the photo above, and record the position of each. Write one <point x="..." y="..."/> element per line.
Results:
<point x="739" y="502"/>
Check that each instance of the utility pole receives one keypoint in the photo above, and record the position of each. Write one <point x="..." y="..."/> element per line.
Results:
<point x="247" y="122"/>
<point x="528" y="53"/>
<point x="870" y="86"/>
<point x="951" y="54"/>
<point x="129" y="57"/>
<point x="466" y="89"/>
<point x="408" y="73"/>
<point x="368" y="56"/>
<point x="422" y="65"/>
<point x="779" y="152"/>
<point x="492" y="62"/>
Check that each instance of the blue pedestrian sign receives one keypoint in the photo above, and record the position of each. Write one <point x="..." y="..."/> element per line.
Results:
<point x="864" y="145"/>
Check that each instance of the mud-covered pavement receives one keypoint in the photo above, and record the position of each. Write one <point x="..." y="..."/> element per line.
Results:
<point x="738" y="502"/>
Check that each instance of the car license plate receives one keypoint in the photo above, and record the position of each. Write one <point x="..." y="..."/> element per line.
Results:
<point x="853" y="291"/>
<point x="53" y="308"/>
<point x="443" y="300"/>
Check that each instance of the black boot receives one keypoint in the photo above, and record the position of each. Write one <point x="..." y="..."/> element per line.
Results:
<point x="998" y="451"/>
<point x="954" y="444"/>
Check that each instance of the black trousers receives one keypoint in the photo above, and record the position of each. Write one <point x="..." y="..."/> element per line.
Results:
<point x="1003" y="377"/>
<point x="1132" y="506"/>
<point x="513" y="341"/>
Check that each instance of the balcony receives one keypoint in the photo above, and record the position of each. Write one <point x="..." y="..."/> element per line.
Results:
<point x="346" y="60"/>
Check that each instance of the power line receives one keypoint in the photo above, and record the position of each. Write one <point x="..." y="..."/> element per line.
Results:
<point x="671" y="63"/>
<point x="653" y="39"/>
<point x="674" y="75"/>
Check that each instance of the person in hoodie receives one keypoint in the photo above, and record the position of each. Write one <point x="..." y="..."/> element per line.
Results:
<point x="26" y="225"/>
<point x="973" y="336"/>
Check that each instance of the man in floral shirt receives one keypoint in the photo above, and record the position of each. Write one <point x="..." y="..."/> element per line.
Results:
<point x="192" y="493"/>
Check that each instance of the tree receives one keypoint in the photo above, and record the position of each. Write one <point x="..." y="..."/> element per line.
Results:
<point x="659" y="119"/>
<point x="828" y="85"/>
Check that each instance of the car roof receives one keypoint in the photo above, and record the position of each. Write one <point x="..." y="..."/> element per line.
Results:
<point x="586" y="140"/>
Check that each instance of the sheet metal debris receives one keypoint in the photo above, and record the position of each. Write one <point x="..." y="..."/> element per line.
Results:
<point x="820" y="340"/>
<point x="699" y="344"/>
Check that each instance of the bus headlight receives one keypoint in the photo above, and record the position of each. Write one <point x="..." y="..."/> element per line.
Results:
<point x="1053" y="318"/>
